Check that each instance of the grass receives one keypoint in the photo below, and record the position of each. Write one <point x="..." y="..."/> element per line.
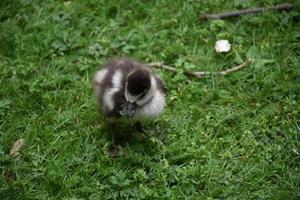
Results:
<point x="234" y="137"/>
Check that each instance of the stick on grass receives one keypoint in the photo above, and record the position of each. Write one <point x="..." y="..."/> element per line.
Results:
<point x="280" y="7"/>
<point x="200" y="74"/>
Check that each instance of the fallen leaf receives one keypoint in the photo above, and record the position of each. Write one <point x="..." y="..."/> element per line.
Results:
<point x="15" y="149"/>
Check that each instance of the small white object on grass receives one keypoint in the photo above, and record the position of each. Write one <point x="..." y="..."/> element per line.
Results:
<point x="222" y="46"/>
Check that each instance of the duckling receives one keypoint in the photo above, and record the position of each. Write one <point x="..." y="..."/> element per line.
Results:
<point x="128" y="91"/>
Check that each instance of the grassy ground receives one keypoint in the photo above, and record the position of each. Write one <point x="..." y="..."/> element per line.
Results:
<point x="234" y="137"/>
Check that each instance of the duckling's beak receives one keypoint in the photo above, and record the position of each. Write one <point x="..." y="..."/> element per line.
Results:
<point x="129" y="109"/>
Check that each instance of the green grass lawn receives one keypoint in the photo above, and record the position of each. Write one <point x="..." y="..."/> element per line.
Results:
<point x="233" y="137"/>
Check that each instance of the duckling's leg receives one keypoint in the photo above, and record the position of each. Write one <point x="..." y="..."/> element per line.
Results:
<point x="139" y="127"/>
<point x="141" y="131"/>
<point x="113" y="149"/>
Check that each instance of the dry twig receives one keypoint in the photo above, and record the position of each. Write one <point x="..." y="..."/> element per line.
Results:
<point x="200" y="74"/>
<point x="280" y="7"/>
